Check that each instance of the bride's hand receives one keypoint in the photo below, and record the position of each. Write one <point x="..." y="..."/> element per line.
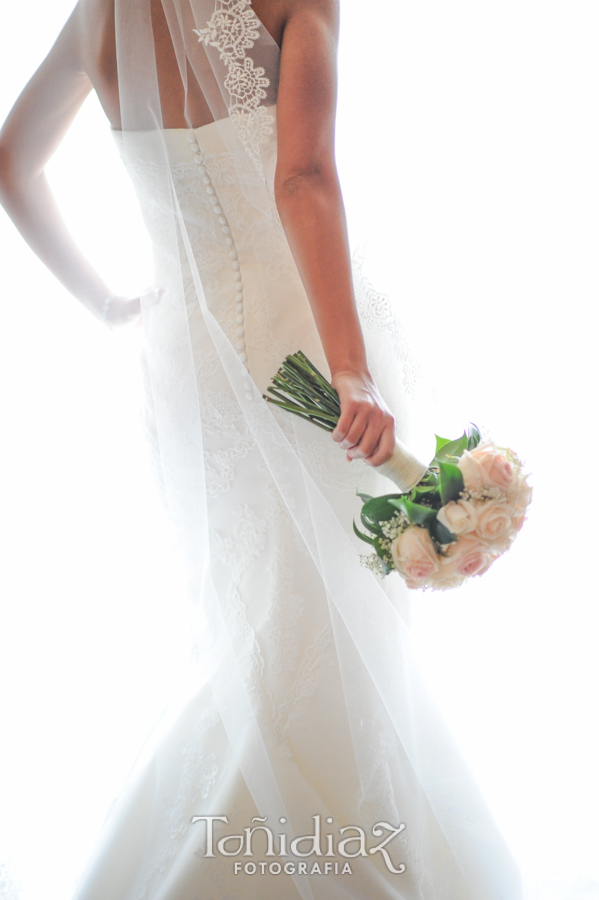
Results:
<point x="121" y="311"/>
<point x="366" y="428"/>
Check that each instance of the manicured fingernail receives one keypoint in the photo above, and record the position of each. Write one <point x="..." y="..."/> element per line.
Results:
<point x="345" y="445"/>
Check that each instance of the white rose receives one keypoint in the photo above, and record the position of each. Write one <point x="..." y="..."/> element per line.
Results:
<point x="459" y="516"/>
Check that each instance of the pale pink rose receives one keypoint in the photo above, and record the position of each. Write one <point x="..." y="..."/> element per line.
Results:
<point x="447" y="583"/>
<point x="459" y="516"/>
<point x="448" y="576"/>
<point x="520" y="495"/>
<point x="502" y="544"/>
<point x="414" y="555"/>
<point x="494" y="520"/>
<point x="518" y="522"/>
<point x="474" y="474"/>
<point x="499" y="470"/>
<point x="490" y="562"/>
<point x="469" y="556"/>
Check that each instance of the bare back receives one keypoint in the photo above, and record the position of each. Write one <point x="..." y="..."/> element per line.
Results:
<point x="93" y="24"/>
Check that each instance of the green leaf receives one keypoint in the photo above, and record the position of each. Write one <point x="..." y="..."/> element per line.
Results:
<point x="371" y="525"/>
<point x="431" y="479"/>
<point x="451" y="482"/>
<point x="452" y="449"/>
<point x="422" y="490"/>
<point x="379" y="509"/>
<point x="400" y="503"/>
<point x="364" y="497"/>
<point x="440" y="533"/>
<point x="427" y="496"/>
<point x="440" y="443"/>
<point x="474" y="436"/>
<point x="363" y="537"/>
<point x="416" y="513"/>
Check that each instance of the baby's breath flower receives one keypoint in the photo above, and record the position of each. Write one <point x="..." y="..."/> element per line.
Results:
<point x="373" y="563"/>
<point x="483" y="494"/>
<point x="392" y="528"/>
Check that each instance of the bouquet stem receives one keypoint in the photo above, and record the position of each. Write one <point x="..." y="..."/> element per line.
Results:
<point x="302" y="390"/>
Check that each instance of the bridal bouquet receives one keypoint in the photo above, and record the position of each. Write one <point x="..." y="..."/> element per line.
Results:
<point x="456" y="521"/>
<point x="452" y="519"/>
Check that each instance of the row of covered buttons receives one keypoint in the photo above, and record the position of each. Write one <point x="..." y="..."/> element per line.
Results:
<point x="213" y="200"/>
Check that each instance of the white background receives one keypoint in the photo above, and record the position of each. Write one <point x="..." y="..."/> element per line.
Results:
<point x="468" y="146"/>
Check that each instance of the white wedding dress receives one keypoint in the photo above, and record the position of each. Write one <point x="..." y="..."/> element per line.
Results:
<point x="327" y="725"/>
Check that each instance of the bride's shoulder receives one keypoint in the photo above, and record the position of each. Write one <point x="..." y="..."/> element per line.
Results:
<point x="276" y="15"/>
<point x="323" y="9"/>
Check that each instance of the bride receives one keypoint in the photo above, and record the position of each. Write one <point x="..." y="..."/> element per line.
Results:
<point x="301" y="755"/>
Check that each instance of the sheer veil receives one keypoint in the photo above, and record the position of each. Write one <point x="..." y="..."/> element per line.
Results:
<point x="226" y="56"/>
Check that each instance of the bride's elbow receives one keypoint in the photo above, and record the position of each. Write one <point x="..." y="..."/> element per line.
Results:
<point x="11" y="170"/>
<point x="20" y="163"/>
<point x="5" y="170"/>
<point x="296" y="181"/>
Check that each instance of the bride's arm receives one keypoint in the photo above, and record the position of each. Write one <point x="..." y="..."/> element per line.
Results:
<point x="32" y="132"/>
<point x="311" y="208"/>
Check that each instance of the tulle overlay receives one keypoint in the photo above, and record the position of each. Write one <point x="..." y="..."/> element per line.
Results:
<point x="302" y="705"/>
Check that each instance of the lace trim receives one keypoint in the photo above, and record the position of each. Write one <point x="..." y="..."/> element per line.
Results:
<point x="376" y="311"/>
<point x="232" y="29"/>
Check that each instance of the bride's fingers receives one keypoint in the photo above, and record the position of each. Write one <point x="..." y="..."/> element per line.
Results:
<point x="367" y="442"/>
<point x="344" y="423"/>
<point x="125" y="312"/>
<point x="134" y="309"/>
<point x="384" y="449"/>
<point x="355" y="434"/>
<point x="151" y="296"/>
